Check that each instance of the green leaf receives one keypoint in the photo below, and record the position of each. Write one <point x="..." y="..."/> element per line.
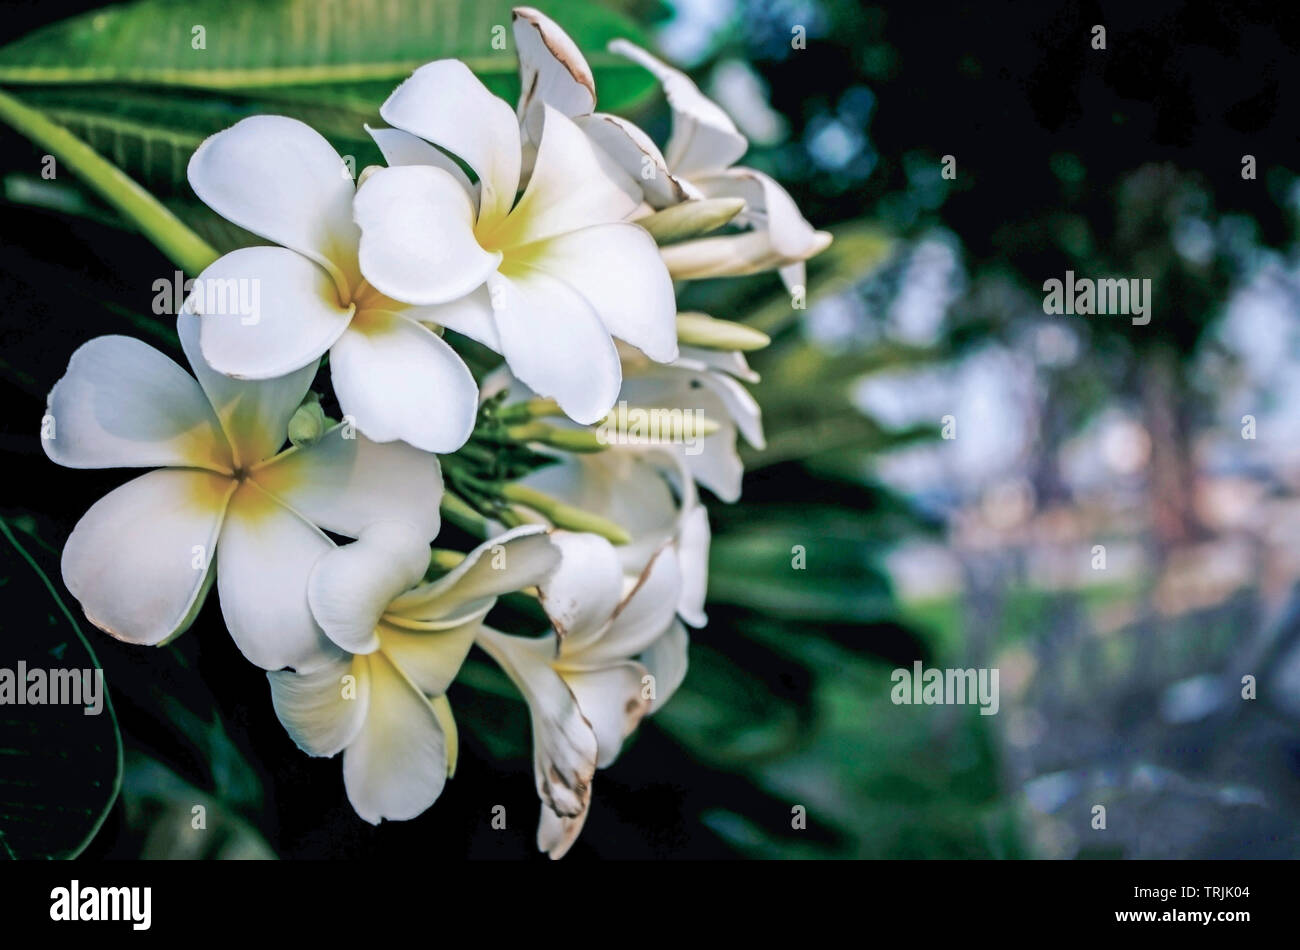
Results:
<point x="351" y="49"/>
<point x="185" y="248"/>
<point x="810" y="571"/>
<point x="127" y="81"/>
<point x="176" y="821"/>
<point x="151" y="134"/>
<point x="60" y="769"/>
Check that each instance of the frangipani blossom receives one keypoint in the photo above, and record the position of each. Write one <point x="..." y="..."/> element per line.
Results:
<point x="617" y="652"/>
<point x="706" y="382"/>
<point x="546" y="281"/>
<point x="702" y="149"/>
<point x="379" y="698"/>
<point x="647" y="494"/>
<point x="553" y="71"/>
<point x="700" y="381"/>
<point x="392" y="374"/>
<point x="143" y="557"/>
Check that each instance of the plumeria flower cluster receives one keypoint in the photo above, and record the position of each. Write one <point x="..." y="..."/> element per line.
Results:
<point x="552" y="235"/>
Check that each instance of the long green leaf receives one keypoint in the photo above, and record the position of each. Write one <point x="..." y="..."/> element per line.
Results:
<point x="152" y="133"/>
<point x="185" y="248"/>
<point x="242" y="45"/>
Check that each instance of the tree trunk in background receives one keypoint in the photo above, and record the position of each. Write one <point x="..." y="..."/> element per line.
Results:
<point x="1170" y="481"/>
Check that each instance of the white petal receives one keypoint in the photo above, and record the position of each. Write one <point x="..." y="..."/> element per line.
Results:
<point x="618" y="270"/>
<point x="397" y="765"/>
<point x="417" y="235"/>
<point x="140" y="560"/>
<point x="325" y="708"/>
<point x="794" y="275"/>
<point x="619" y="486"/>
<point x="692" y="382"/>
<point x="254" y="415"/>
<point x="294" y="317"/>
<point x="122" y="403"/>
<point x="519" y="558"/>
<point x="719" y="467"/>
<point x="266" y="555"/>
<point x="769" y="206"/>
<point x="693" y="561"/>
<point x="555" y="835"/>
<point x="470" y="315"/>
<point x="574" y="185"/>
<point x="564" y="746"/>
<point x="397" y="379"/>
<point x="666" y="660"/>
<point x="613" y="700"/>
<point x="583" y="593"/>
<point x="731" y="362"/>
<point x="703" y="138"/>
<point x="636" y="153"/>
<point x="642" y="617"/>
<point x="344" y="482"/>
<point x="350" y="587"/>
<point x="403" y="148"/>
<point x="430" y="658"/>
<point x="552" y="71"/>
<point x="713" y="461"/>
<point x="446" y="104"/>
<point x="280" y="179"/>
<point x="740" y="406"/>
<point x="556" y="344"/>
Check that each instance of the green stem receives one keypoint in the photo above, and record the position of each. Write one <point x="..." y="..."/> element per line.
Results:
<point x="182" y="246"/>
<point x="562" y="515"/>
<point x="538" y="408"/>
<point x="460" y="513"/>
<point x="443" y="560"/>
<point x="574" y="440"/>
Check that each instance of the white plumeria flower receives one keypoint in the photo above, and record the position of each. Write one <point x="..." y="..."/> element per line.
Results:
<point x="617" y="653"/>
<point x="706" y="382"/>
<point x="647" y="494"/>
<point x="553" y="71"/>
<point x="379" y="699"/>
<point x="702" y="149"/>
<point x="392" y="374"/>
<point x="545" y="281"/>
<point x="701" y="381"/>
<point x="143" y="557"/>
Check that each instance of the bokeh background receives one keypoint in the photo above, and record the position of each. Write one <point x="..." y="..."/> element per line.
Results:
<point x="1120" y="685"/>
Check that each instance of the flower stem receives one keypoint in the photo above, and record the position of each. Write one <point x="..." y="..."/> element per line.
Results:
<point x="443" y="560"/>
<point x="532" y="409"/>
<point x="460" y="513"/>
<point x="574" y="440"/>
<point x="182" y="246"/>
<point x="562" y="515"/>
